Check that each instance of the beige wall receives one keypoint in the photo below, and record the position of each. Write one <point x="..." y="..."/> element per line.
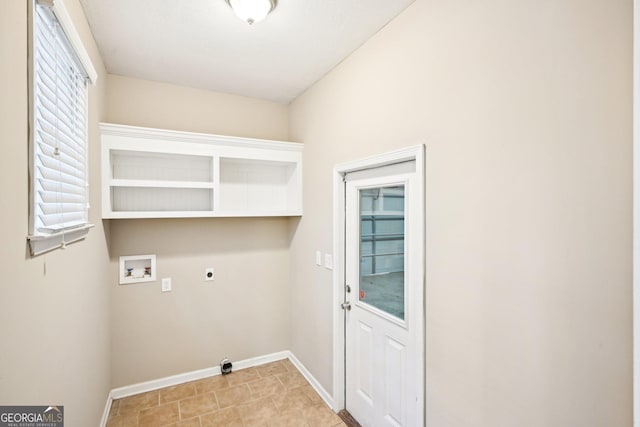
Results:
<point x="525" y="109"/>
<point x="146" y="103"/>
<point x="54" y="318"/>
<point x="243" y="313"/>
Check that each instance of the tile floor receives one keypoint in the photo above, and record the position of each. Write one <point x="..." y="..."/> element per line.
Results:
<point x="271" y="395"/>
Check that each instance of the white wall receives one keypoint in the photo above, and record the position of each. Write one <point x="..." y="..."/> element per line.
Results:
<point x="54" y="309"/>
<point x="525" y="108"/>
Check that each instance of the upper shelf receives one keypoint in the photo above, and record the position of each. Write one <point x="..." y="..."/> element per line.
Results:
<point x="154" y="173"/>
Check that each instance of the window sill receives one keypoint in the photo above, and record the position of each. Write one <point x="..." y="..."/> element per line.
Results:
<point x="40" y="244"/>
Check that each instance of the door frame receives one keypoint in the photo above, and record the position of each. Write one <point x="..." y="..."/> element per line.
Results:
<point x="417" y="154"/>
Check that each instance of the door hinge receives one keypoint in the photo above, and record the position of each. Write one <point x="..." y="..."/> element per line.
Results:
<point x="346" y="306"/>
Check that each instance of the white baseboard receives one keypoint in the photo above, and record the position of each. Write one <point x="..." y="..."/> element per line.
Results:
<point x="107" y="409"/>
<point x="129" y="390"/>
<point x="261" y="360"/>
<point x="312" y="380"/>
<point x="120" y="392"/>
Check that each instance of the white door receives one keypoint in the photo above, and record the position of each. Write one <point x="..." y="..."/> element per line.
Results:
<point x="383" y="297"/>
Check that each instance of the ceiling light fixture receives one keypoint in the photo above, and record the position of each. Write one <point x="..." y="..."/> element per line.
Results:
<point x="252" y="11"/>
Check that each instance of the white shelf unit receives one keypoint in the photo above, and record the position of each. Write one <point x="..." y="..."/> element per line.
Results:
<point x="154" y="173"/>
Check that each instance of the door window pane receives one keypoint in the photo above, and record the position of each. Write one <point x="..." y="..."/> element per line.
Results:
<point x="382" y="249"/>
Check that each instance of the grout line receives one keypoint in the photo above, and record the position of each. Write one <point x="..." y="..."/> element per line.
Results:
<point x="215" y="395"/>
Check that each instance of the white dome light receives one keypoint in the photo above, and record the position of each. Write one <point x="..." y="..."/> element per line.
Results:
<point x="252" y="11"/>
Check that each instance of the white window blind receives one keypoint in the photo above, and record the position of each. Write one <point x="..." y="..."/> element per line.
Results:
<point x="59" y="135"/>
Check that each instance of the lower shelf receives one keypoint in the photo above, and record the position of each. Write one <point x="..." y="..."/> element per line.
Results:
<point x="152" y="199"/>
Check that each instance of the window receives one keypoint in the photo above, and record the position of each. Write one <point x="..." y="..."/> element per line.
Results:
<point x="60" y="71"/>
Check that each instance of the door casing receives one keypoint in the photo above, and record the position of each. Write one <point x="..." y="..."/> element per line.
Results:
<point x="416" y="153"/>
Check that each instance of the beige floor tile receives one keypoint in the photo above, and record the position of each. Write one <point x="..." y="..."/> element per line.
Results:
<point x="320" y="416"/>
<point x="256" y="423"/>
<point x="177" y="392"/>
<point x="242" y="376"/>
<point x="138" y="402"/>
<point x="222" y="418"/>
<point x="198" y="405"/>
<point x="271" y="395"/>
<point x="159" y="416"/>
<point x="290" y="419"/>
<point x="232" y="423"/>
<point x="292" y="380"/>
<point x="290" y="366"/>
<point x="233" y="396"/>
<point x="271" y="369"/>
<point x="114" y="408"/>
<point x="210" y="384"/>
<point x="258" y="413"/>
<point x="293" y="400"/>
<point x="308" y="391"/>
<point x="130" y="420"/>
<point x="266" y="387"/>
<point x="193" y="422"/>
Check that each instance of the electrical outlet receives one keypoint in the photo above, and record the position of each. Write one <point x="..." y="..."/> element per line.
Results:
<point x="166" y="284"/>
<point x="209" y="274"/>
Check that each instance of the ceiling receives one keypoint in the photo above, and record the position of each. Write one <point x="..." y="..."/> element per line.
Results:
<point x="202" y="44"/>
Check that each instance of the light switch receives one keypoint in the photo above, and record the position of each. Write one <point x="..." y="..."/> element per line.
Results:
<point x="328" y="261"/>
<point x="318" y="258"/>
<point x="166" y="284"/>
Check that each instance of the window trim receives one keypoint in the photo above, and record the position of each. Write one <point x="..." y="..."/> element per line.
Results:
<point x="60" y="11"/>
<point x="40" y="242"/>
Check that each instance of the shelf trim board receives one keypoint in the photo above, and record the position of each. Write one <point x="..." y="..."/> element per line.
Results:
<point x="215" y="171"/>
<point x="194" y="137"/>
